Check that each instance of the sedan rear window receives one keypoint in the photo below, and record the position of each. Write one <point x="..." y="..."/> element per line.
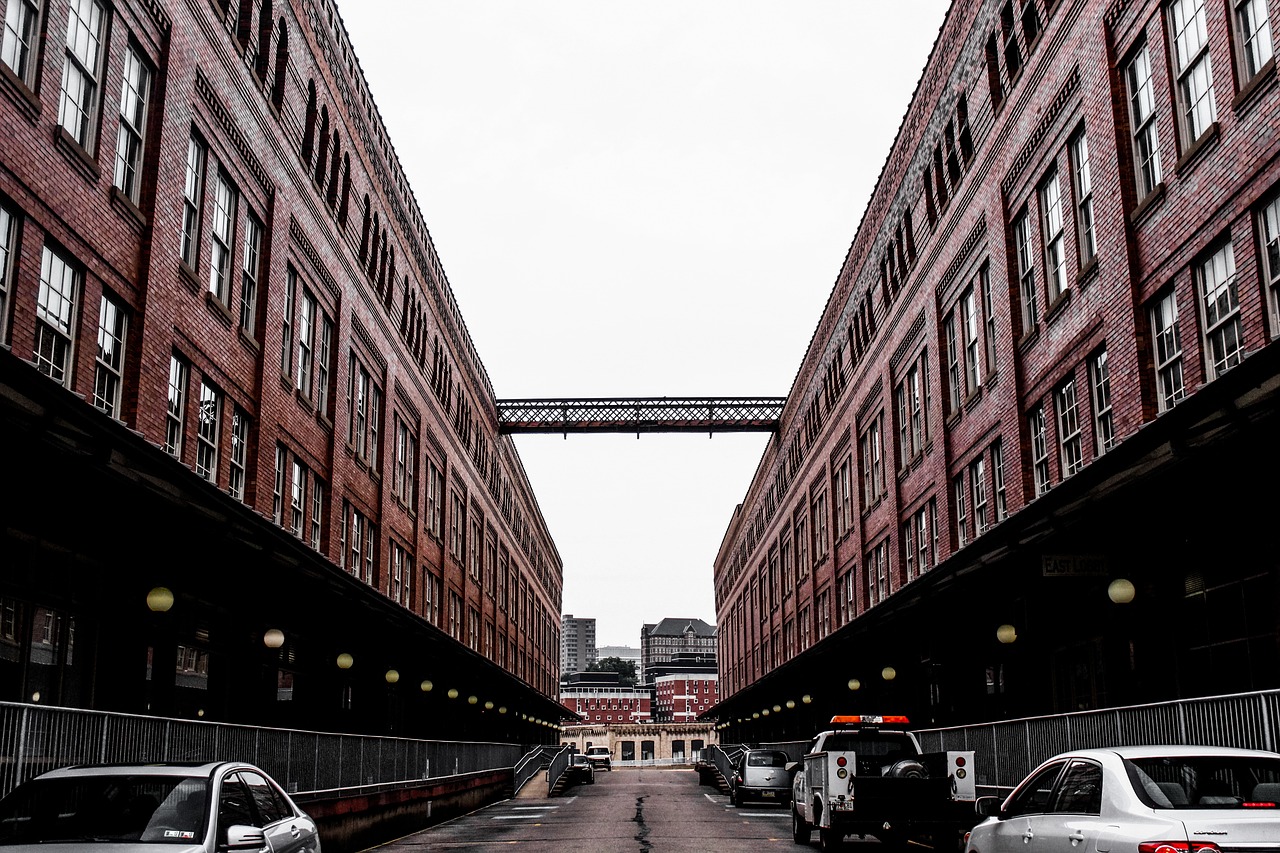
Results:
<point x="767" y="759"/>
<point x="1206" y="782"/>
<point x="145" y="808"/>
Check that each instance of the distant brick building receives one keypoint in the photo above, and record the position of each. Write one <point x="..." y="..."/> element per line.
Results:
<point x="233" y="369"/>
<point x="600" y="698"/>
<point x="1041" y="398"/>
<point x="662" y="641"/>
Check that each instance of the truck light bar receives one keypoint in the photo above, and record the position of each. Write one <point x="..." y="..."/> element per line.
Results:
<point x="867" y="719"/>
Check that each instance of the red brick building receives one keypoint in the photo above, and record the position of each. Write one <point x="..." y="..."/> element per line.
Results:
<point x="283" y="422"/>
<point x="684" y="697"/>
<point x="1046" y="372"/>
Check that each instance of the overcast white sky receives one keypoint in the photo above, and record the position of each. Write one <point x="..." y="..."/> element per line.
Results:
<point x="644" y="198"/>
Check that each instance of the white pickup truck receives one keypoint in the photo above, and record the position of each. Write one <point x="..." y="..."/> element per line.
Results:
<point x="867" y="776"/>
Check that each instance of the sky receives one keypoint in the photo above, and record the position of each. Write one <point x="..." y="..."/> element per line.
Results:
<point x="636" y="199"/>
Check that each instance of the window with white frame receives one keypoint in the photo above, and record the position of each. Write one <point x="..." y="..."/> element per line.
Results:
<point x="108" y="369"/>
<point x="1070" y="434"/>
<point x="1142" y="120"/>
<point x="988" y="317"/>
<point x="799" y="524"/>
<point x="457" y="525"/>
<point x="306" y="340"/>
<point x="317" y="512"/>
<point x="208" y="431"/>
<point x="1220" y="304"/>
<point x="1083" y="179"/>
<point x="997" y="477"/>
<point x="843" y="488"/>
<point x="818" y="509"/>
<point x="786" y="563"/>
<point x="475" y="543"/>
<point x="1167" y="344"/>
<point x="21" y="25"/>
<point x="431" y="598"/>
<point x="8" y="239"/>
<point x="364" y="402"/>
<point x="473" y="629"/>
<point x="1055" y="255"/>
<point x="927" y="536"/>
<point x="435" y="499"/>
<point x="912" y="416"/>
<point x="960" y="510"/>
<point x="359" y="541"/>
<point x="277" y="489"/>
<point x="908" y="540"/>
<point x="400" y="574"/>
<point x="1192" y="67"/>
<point x="1026" y="271"/>
<point x="978" y="495"/>
<point x="286" y="323"/>
<point x="131" y="136"/>
<point x="1039" y="431"/>
<point x="192" y="193"/>
<point x="250" y="270"/>
<point x="298" y="498"/>
<point x="845" y="601"/>
<point x="1268" y="230"/>
<point x="877" y="573"/>
<point x="220" y="237"/>
<point x="955" y="391"/>
<point x="323" y="350"/>
<point x="60" y="285"/>
<point x="175" y="413"/>
<point x="404" y="478"/>
<point x="1104" y="430"/>
<point x="872" y="463"/>
<point x="1253" y="34"/>
<point x="239" y="453"/>
<point x="81" y="70"/>
<point x="972" y="350"/>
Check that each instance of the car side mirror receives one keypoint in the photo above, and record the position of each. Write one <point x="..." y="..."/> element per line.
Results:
<point x="245" y="838"/>
<point x="988" y="806"/>
<point x="793" y="766"/>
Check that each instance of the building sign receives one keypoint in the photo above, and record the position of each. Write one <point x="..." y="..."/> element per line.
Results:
<point x="1073" y="566"/>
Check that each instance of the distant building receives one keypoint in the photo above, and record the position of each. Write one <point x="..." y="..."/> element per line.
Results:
<point x="577" y="644"/>
<point x="600" y="698"/>
<point x="627" y="653"/>
<point x="661" y="642"/>
<point x="684" y="687"/>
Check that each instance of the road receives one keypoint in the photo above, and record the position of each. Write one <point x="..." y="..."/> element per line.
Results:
<point x="636" y="810"/>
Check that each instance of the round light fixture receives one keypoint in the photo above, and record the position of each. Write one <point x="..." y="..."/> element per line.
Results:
<point x="855" y="684"/>
<point x="1006" y="634"/>
<point x="453" y="693"/>
<point x="345" y="661"/>
<point x="1120" y="591"/>
<point x="392" y="676"/>
<point x="888" y="673"/>
<point x="160" y="599"/>
<point x="273" y="638"/>
<point x="427" y="686"/>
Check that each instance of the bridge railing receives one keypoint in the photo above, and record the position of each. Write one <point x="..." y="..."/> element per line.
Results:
<point x="36" y="738"/>
<point x="1006" y="751"/>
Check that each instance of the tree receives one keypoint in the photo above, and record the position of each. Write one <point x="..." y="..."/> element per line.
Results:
<point x="626" y="669"/>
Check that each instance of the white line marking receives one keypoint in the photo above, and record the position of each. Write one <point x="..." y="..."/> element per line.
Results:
<point x="712" y="799"/>
<point x="517" y="817"/>
<point x="532" y="808"/>
<point x="760" y="814"/>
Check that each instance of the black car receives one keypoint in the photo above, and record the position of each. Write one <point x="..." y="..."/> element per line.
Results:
<point x="580" y="771"/>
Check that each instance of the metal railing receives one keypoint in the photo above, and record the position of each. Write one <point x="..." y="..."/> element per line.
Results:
<point x="531" y="763"/>
<point x="725" y="757"/>
<point x="559" y="761"/>
<point x="1006" y="751"/>
<point x="36" y="738"/>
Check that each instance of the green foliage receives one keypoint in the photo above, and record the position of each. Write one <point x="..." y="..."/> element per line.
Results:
<point x="626" y="669"/>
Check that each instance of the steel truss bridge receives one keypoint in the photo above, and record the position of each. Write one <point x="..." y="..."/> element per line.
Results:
<point x="641" y="414"/>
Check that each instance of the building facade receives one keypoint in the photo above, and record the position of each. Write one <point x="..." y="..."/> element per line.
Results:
<point x="625" y="653"/>
<point x="255" y="469"/>
<point x="599" y="698"/>
<point x="577" y="644"/>
<point x="647" y="744"/>
<point x="1037" y="409"/>
<point x="684" y="697"/>
<point x="660" y="642"/>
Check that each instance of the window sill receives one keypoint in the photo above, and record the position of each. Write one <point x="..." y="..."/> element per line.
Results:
<point x="249" y="342"/>
<point x="124" y="204"/>
<point x="81" y="159"/>
<point x="1028" y="339"/>
<point x="1253" y="90"/>
<point x="303" y="400"/>
<point x="971" y="402"/>
<point x="1088" y="273"/>
<point x="20" y="93"/>
<point x="189" y="277"/>
<point x="993" y="379"/>
<point x="1147" y="205"/>
<point x="1057" y="306"/>
<point x="1192" y="156"/>
<point x="221" y="311"/>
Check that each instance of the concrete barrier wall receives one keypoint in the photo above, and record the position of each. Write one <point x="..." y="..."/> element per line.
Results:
<point x="352" y="823"/>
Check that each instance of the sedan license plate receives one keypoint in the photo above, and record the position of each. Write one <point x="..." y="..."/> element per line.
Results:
<point x="768" y="794"/>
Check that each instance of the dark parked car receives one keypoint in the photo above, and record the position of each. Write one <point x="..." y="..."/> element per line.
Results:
<point x="198" y="808"/>
<point x="762" y="775"/>
<point x="580" y="771"/>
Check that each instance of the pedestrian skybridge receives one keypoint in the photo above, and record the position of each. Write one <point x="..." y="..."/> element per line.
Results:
<point x="641" y="414"/>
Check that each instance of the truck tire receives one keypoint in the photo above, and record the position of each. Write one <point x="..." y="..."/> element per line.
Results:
<point x="830" y="840"/>
<point x="908" y="768"/>
<point x="801" y="832"/>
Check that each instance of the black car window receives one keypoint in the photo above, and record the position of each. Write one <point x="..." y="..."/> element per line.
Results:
<point x="1032" y="796"/>
<point x="123" y="808"/>
<point x="1205" y="781"/>
<point x="1080" y="790"/>
<point x="767" y="759"/>
<point x="234" y="806"/>
<point x="271" y="807"/>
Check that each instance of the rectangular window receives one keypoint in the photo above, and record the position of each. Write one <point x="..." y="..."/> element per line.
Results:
<point x="359" y="538"/>
<point x="306" y="334"/>
<point x="972" y="353"/>
<point x="221" y="235"/>
<point x="250" y="266"/>
<point x="286" y="327"/>
<point x="209" y="431"/>
<point x="799" y="524"/>
<point x="1223" y="329"/>
<point x="1070" y="440"/>
<point x="239" y="452"/>
<point x="1039" y="450"/>
<point x="475" y="543"/>
<point x="843" y="488"/>
<point x="954" y="388"/>
<point x="1104" y="431"/>
<point x="845" y="608"/>
<point x="1083" y="179"/>
<point x="908" y="540"/>
<point x="435" y="499"/>
<point x="997" y="473"/>
<point x="1253" y="31"/>
<point x="912" y="416"/>
<point x="978" y="495"/>
<point x="457" y="526"/>
<point x="988" y="317"/>
<point x="1268" y="228"/>
<point x="400" y="572"/>
<point x="927" y="536"/>
<point x="877" y="573"/>
<point x="21" y="20"/>
<point x="1026" y="272"/>
<point x="109" y="365"/>
<point x="1191" y="64"/>
<point x="8" y="231"/>
<point x="298" y="498"/>
<point x="403" y="478"/>
<point x="1055" y="255"/>
<point x="133" y="124"/>
<point x="323" y="348"/>
<point x="961" y="513"/>
<point x="819" y="512"/>
<point x="872" y="463"/>
<point x="317" y="511"/>
<point x="192" y="193"/>
<point x="364" y="401"/>
<point x="55" y="314"/>
<point x="80" y="70"/>
<point x="431" y="599"/>
<point x="277" y="492"/>
<point x="175" y="414"/>
<point x="1168" y="351"/>
<point x="1142" y="116"/>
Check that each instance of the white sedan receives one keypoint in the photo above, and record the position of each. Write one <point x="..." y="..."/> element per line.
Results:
<point x="1139" y="799"/>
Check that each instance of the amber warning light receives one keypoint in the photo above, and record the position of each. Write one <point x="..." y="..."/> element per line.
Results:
<point x="866" y="719"/>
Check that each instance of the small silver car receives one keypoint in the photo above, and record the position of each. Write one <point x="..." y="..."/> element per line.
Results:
<point x="186" y="808"/>
<point x="762" y="775"/>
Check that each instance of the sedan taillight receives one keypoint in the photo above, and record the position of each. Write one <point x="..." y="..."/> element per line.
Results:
<point x="1178" y="847"/>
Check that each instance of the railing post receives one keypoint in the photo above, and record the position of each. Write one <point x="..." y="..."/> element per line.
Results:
<point x="22" y="747"/>
<point x="1267" y="729"/>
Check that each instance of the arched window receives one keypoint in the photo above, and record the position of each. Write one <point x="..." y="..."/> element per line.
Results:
<point x="244" y="23"/>
<point x="282" y="64"/>
<point x="332" y="196"/>
<point x="323" y="151"/>
<point x="309" y="132"/>
<point x="265" y="21"/>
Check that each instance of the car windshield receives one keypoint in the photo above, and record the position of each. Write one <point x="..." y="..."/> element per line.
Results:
<point x="1206" y="781"/>
<point x="80" y="809"/>
<point x="767" y="759"/>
